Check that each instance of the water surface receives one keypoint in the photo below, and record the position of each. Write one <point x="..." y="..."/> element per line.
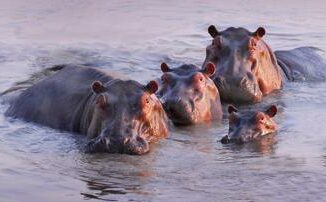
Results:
<point x="133" y="38"/>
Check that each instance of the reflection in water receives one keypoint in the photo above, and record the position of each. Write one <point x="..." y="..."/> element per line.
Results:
<point x="108" y="177"/>
<point x="133" y="38"/>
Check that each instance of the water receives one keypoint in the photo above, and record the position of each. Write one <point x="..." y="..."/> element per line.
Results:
<point x="133" y="37"/>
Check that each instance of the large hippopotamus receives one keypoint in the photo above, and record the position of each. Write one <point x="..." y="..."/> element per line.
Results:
<point x="249" y="126"/>
<point x="248" y="69"/>
<point x="119" y="116"/>
<point x="188" y="94"/>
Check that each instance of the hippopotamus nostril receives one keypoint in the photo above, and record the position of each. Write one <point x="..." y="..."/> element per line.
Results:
<point x="225" y="140"/>
<point x="250" y="76"/>
<point x="244" y="82"/>
<point x="126" y="140"/>
<point x="127" y="130"/>
<point x="140" y="139"/>
<point x="137" y="146"/>
<point x="172" y="111"/>
<point x="240" y="140"/>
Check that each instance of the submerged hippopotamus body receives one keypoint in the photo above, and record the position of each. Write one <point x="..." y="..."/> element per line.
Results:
<point x="249" y="126"/>
<point x="119" y="116"/>
<point x="248" y="69"/>
<point x="188" y="94"/>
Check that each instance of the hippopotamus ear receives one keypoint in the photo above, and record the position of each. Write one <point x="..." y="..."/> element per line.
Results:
<point x="209" y="69"/>
<point x="212" y="31"/>
<point x="151" y="87"/>
<point x="260" y="32"/>
<point x="271" y="111"/>
<point x="165" y="67"/>
<point x="98" y="87"/>
<point x="232" y="109"/>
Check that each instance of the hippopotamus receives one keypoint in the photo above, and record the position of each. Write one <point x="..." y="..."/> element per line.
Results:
<point x="188" y="94"/>
<point x="249" y="126"/>
<point x="248" y="69"/>
<point x="117" y="115"/>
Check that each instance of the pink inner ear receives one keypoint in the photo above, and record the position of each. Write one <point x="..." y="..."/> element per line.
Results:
<point x="271" y="111"/>
<point x="97" y="87"/>
<point x="165" y="67"/>
<point x="260" y="32"/>
<point x="152" y="87"/>
<point x="212" y="31"/>
<point x="210" y="69"/>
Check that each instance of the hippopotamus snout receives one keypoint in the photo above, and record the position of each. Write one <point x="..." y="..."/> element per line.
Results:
<point x="135" y="146"/>
<point x="239" y="89"/>
<point x="240" y="137"/>
<point x="179" y="110"/>
<point x="124" y="140"/>
<point x="238" y="140"/>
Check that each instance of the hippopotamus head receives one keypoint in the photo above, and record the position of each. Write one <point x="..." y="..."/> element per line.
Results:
<point x="247" y="68"/>
<point x="126" y="118"/>
<point x="188" y="94"/>
<point x="249" y="126"/>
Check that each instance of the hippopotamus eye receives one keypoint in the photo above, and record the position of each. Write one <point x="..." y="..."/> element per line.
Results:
<point x="165" y="78"/>
<point x="216" y="42"/>
<point x="252" y="43"/>
<point x="233" y="119"/>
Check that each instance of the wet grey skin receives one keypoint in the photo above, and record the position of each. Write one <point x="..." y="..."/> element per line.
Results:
<point x="118" y="116"/>
<point x="250" y="126"/>
<point x="188" y="94"/>
<point x="248" y="69"/>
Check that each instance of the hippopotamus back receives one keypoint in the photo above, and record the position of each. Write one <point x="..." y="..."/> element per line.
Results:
<point x="57" y="100"/>
<point x="302" y="64"/>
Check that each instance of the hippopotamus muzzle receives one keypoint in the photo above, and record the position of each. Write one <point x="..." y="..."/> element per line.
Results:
<point x="136" y="146"/>
<point x="181" y="112"/>
<point x="249" y="126"/>
<point x="239" y="140"/>
<point x="243" y="91"/>
<point x="242" y="138"/>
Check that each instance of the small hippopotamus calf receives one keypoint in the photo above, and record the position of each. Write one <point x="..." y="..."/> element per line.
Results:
<point x="249" y="126"/>
<point x="188" y="94"/>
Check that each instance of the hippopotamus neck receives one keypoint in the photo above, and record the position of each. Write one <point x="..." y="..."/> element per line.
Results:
<point x="84" y="116"/>
<point x="286" y="72"/>
<point x="276" y="64"/>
